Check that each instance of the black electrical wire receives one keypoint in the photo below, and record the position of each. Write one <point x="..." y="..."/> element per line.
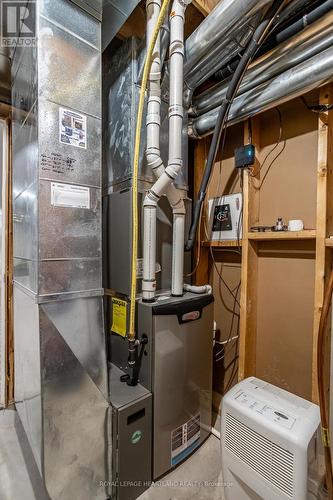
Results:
<point x="272" y="162"/>
<point x="234" y="314"/>
<point x="258" y="38"/>
<point x="278" y="141"/>
<point x="317" y="108"/>
<point x="273" y="149"/>
<point x="234" y="370"/>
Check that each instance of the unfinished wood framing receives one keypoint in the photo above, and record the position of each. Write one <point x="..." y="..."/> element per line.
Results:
<point x="201" y="253"/>
<point x="205" y="6"/>
<point x="315" y="244"/>
<point x="324" y="218"/>
<point x="249" y="273"/>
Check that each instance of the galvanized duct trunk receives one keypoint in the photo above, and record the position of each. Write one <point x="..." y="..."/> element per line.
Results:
<point x="60" y="363"/>
<point x="292" y="83"/>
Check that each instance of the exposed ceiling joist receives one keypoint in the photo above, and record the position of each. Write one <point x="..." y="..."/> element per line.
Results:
<point x="205" y="6"/>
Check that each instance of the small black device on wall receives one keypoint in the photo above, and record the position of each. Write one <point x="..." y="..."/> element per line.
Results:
<point x="245" y="156"/>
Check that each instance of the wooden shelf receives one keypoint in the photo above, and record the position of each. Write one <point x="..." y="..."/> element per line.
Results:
<point x="222" y="244"/>
<point x="255" y="271"/>
<point x="307" y="234"/>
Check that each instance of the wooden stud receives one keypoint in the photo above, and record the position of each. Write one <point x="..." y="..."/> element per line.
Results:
<point x="205" y="6"/>
<point x="202" y="274"/>
<point x="324" y="218"/>
<point x="135" y="24"/>
<point x="249" y="272"/>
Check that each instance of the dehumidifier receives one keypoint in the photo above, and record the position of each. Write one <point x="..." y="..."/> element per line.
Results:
<point x="270" y="444"/>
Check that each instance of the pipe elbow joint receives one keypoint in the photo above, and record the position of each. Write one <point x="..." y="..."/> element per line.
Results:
<point x="179" y="208"/>
<point x="174" y="167"/>
<point x="151" y="200"/>
<point x="177" y="47"/>
<point x="154" y="160"/>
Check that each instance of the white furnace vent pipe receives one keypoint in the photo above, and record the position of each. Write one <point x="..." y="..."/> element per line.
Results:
<point x="165" y="177"/>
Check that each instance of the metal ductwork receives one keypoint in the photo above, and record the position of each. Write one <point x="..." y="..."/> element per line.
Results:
<point x="61" y="391"/>
<point x="306" y="44"/>
<point x="298" y="80"/>
<point x="114" y="15"/>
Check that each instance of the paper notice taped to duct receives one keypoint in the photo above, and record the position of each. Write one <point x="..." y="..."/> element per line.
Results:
<point x="72" y="128"/>
<point x="70" y="196"/>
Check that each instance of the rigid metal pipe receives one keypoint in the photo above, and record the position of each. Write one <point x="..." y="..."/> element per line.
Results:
<point x="301" y="47"/>
<point x="220" y="23"/>
<point x="292" y="83"/>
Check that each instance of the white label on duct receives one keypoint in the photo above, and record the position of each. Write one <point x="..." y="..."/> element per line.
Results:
<point x="70" y="196"/>
<point x="72" y="128"/>
<point x="267" y="411"/>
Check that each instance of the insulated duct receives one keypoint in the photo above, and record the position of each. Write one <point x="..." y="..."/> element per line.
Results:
<point x="221" y="22"/>
<point x="298" y="80"/>
<point x="222" y="53"/>
<point x="306" y="44"/>
<point x="257" y="39"/>
<point x="223" y="35"/>
<point x="299" y="25"/>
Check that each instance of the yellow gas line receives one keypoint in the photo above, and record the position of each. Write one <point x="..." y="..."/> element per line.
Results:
<point x="135" y="225"/>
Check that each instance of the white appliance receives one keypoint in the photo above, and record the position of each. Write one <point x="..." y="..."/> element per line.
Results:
<point x="225" y="217"/>
<point x="270" y="444"/>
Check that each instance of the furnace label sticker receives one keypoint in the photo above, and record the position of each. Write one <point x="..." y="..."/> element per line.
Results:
<point x="185" y="439"/>
<point x="69" y="196"/>
<point x="119" y="316"/>
<point x="72" y="128"/>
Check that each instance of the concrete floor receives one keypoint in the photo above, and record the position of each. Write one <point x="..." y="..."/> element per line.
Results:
<point x="199" y="478"/>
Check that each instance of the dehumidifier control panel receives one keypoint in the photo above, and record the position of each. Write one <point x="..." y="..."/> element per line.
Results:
<point x="271" y="413"/>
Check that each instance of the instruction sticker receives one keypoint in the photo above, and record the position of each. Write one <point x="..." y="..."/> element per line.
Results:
<point x="185" y="439"/>
<point x="69" y="196"/>
<point x="119" y="316"/>
<point x="72" y="128"/>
